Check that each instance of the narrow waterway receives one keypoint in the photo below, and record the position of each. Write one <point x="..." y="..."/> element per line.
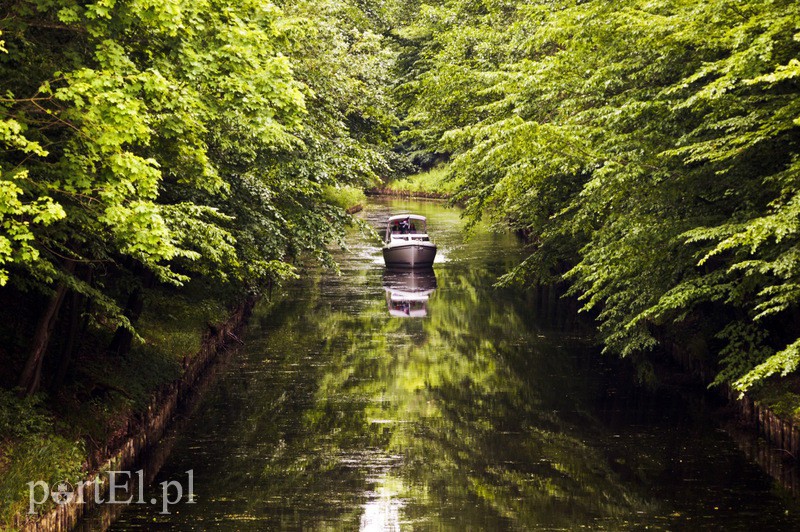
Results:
<point x="381" y="401"/>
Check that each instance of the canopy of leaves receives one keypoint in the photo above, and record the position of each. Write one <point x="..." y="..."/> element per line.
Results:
<point x="648" y="149"/>
<point x="181" y="138"/>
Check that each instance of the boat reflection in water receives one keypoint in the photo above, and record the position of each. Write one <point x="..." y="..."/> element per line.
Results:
<point x="407" y="291"/>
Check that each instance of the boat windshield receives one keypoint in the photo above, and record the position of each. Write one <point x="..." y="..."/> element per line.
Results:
<point x="407" y="226"/>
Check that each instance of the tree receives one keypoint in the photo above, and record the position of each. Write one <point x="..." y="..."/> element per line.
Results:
<point x="156" y="141"/>
<point x="648" y="150"/>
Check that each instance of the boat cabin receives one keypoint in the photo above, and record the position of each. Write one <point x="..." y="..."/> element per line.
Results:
<point x="407" y="227"/>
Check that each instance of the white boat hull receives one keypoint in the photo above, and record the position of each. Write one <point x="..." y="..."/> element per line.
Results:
<point x="409" y="254"/>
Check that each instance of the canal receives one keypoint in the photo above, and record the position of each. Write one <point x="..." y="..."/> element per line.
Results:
<point x="375" y="400"/>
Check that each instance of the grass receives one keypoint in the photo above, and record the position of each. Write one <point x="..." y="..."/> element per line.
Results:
<point x="174" y="323"/>
<point x="435" y="181"/>
<point x="347" y="197"/>
<point x="53" y="438"/>
<point x="32" y="449"/>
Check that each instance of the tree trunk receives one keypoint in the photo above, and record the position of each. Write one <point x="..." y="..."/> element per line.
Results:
<point x="73" y="332"/>
<point x="31" y="377"/>
<point x="121" y="343"/>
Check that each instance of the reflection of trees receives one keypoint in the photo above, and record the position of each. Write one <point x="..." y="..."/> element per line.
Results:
<point x="460" y="412"/>
<point x="336" y="412"/>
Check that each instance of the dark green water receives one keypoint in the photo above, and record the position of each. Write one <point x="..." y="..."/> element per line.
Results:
<point x="492" y="411"/>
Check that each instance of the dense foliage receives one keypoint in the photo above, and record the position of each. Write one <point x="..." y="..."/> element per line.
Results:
<point x="648" y="149"/>
<point x="154" y="142"/>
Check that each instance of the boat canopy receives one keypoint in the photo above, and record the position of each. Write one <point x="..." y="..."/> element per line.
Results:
<point x="406" y="217"/>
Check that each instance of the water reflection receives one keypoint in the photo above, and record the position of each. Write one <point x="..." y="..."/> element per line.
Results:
<point x="382" y="512"/>
<point x="408" y="291"/>
<point x="490" y="414"/>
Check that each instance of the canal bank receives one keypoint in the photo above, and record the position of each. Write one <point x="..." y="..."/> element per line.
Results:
<point x="144" y="430"/>
<point x="493" y="410"/>
<point x="406" y="194"/>
<point x="769" y="438"/>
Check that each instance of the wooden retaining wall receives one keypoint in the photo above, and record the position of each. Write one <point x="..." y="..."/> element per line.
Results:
<point x="769" y="440"/>
<point x="144" y="430"/>
<point x="783" y="434"/>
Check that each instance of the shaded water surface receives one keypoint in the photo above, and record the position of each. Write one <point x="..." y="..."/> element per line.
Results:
<point x="395" y="401"/>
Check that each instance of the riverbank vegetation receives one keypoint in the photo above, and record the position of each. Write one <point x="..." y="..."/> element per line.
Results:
<point x="434" y="183"/>
<point x="58" y="436"/>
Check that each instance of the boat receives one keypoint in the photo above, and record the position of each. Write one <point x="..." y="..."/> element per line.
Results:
<point x="407" y="244"/>
<point x="408" y="291"/>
